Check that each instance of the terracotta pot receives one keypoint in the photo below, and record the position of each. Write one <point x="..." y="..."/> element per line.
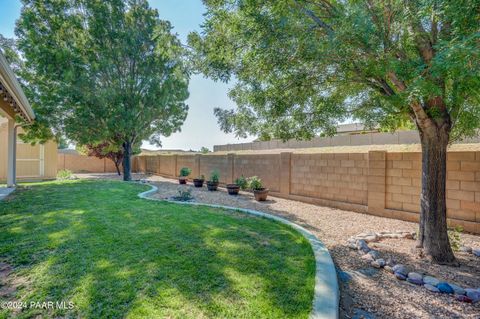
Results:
<point x="182" y="180"/>
<point x="233" y="189"/>
<point x="212" y="186"/>
<point x="197" y="182"/>
<point x="260" y="194"/>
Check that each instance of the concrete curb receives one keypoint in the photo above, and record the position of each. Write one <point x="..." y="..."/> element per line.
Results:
<point x="326" y="294"/>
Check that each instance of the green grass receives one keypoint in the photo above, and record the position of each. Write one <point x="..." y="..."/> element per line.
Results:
<point x="96" y="244"/>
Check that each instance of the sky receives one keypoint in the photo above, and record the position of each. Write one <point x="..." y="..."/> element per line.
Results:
<point x="200" y="128"/>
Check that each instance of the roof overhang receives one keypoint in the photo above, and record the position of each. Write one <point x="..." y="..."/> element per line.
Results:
<point x="11" y="93"/>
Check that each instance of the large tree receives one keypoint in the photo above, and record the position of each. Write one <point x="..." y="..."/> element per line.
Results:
<point x="113" y="152"/>
<point x="104" y="70"/>
<point x="301" y="66"/>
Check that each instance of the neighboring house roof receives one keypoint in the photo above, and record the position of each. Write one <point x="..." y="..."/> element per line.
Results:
<point x="68" y="151"/>
<point x="12" y="93"/>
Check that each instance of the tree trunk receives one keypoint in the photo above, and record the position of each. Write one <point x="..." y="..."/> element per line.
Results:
<point x="127" y="154"/>
<point x="117" y="167"/>
<point x="433" y="235"/>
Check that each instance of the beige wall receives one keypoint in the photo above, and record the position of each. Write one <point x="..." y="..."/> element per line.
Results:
<point x="377" y="182"/>
<point x="33" y="162"/>
<point x="86" y="164"/>
<point x="265" y="166"/>
<point x="403" y="180"/>
<point x="376" y="138"/>
<point x="337" y="177"/>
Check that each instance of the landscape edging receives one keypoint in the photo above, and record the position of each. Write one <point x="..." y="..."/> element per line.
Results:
<point x="326" y="292"/>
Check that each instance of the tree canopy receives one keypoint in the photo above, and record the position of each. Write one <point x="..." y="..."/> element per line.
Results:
<point x="104" y="71"/>
<point x="303" y="66"/>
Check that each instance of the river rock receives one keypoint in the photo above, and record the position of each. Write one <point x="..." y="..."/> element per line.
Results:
<point x="371" y="238"/>
<point x="388" y="268"/>
<point x="362" y="246"/>
<point x="414" y="275"/>
<point x="473" y="294"/>
<point x="431" y="280"/>
<point x="352" y="246"/>
<point x="344" y="276"/>
<point x="375" y="254"/>
<point x="399" y="268"/>
<point x="400" y="276"/>
<point x="431" y="288"/>
<point x="415" y="281"/>
<point x="445" y="288"/>
<point x="457" y="289"/>
<point x="463" y="298"/>
<point x="368" y="257"/>
<point x="391" y="262"/>
<point x="415" y="278"/>
<point x="476" y="252"/>
<point x="379" y="263"/>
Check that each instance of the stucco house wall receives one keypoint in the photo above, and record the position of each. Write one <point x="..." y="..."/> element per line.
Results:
<point x="35" y="162"/>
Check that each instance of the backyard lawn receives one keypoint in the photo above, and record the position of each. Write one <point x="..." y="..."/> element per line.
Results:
<point x="97" y="245"/>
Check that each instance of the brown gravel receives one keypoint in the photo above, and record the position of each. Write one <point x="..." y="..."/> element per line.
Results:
<point x="379" y="294"/>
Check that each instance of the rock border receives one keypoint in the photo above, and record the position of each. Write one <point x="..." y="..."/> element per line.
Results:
<point x="326" y="291"/>
<point x="401" y="272"/>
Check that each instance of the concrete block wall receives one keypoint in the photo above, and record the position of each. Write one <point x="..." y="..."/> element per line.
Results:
<point x="167" y="165"/>
<point x="83" y="164"/>
<point x="221" y="163"/>
<point x="404" y="186"/>
<point x="378" y="182"/>
<point x="265" y="166"/>
<point x="375" y="138"/>
<point x="190" y="162"/>
<point x="403" y="181"/>
<point x="336" y="177"/>
<point x="151" y="164"/>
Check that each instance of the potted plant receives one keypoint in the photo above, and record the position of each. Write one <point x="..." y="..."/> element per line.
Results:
<point x="198" y="182"/>
<point x="233" y="189"/>
<point x="242" y="182"/>
<point x="259" y="191"/>
<point x="184" y="172"/>
<point x="212" y="183"/>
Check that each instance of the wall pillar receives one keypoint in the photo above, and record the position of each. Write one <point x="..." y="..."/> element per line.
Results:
<point x="376" y="182"/>
<point x="175" y="165"/>
<point x="11" y="153"/>
<point x="156" y="170"/>
<point x="231" y="167"/>
<point x="197" y="165"/>
<point x="285" y="172"/>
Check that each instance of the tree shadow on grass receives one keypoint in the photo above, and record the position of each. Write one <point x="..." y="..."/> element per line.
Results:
<point x="114" y="255"/>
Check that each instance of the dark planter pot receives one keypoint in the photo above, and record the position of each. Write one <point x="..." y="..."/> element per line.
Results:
<point x="233" y="189"/>
<point x="212" y="186"/>
<point x="182" y="180"/>
<point x="260" y="194"/>
<point x="198" y="182"/>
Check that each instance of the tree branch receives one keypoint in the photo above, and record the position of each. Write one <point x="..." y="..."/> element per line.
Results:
<point x="315" y="18"/>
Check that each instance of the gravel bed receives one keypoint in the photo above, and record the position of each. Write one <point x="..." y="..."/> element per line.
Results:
<point x="369" y="293"/>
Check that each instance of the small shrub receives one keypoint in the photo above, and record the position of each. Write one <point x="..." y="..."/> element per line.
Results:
<point x="255" y="183"/>
<point x="242" y="182"/>
<point x="454" y="237"/>
<point x="185" y="171"/>
<point x="202" y="177"/>
<point x="215" y="176"/>
<point x="183" y="196"/>
<point x="64" y="174"/>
